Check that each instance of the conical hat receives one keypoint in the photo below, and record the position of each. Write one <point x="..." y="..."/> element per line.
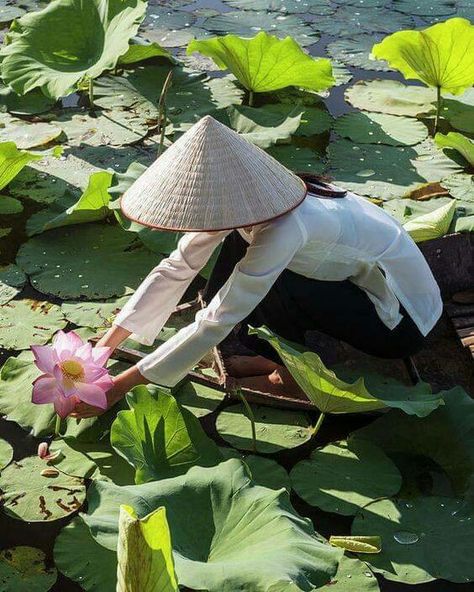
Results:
<point x="211" y="178"/>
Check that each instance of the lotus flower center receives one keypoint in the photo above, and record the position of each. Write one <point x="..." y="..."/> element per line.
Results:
<point x="72" y="370"/>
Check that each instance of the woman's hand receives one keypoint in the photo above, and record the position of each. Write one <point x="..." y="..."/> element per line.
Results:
<point x="123" y="383"/>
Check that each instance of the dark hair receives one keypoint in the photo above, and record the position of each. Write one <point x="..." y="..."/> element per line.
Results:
<point x="323" y="189"/>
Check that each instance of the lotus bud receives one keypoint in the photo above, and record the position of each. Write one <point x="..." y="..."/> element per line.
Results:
<point x="43" y="448"/>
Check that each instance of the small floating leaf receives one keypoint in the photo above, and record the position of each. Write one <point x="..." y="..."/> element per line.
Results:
<point x="23" y="569"/>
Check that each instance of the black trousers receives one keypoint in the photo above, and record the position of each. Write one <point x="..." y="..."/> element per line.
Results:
<point x="296" y="304"/>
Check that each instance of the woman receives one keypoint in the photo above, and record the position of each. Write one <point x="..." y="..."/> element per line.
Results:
<point x="305" y="256"/>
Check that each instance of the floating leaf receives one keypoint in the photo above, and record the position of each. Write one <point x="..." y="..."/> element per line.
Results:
<point x="313" y="121"/>
<point x="92" y="314"/>
<point x="29" y="322"/>
<point x="380" y="128"/>
<point x="23" y="569"/>
<point x="432" y="225"/>
<point x="144" y="552"/>
<point x="344" y="476"/>
<point x="6" y="454"/>
<point x="266" y="63"/>
<point x="439" y="56"/>
<point x="199" y="399"/>
<point x="298" y="158"/>
<point x="29" y="494"/>
<point x="171" y="28"/>
<point x="12" y="161"/>
<point x="262" y="471"/>
<point x="139" y="50"/>
<point x="423" y="539"/>
<point x="10" y="205"/>
<point x="351" y="575"/>
<point x="459" y="111"/>
<point x="88" y="39"/>
<point x="112" y="262"/>
<point x="425" y="7"/>
<point x="458" y="142"/>
<point x="355" y="51"/>
<point x="348" y="19"/>
<point x="159" y="438"/>
<point x="276" y="429"/>
<point x="391" y="96"/>
<point x="258" y="528"/>
<point x="288" y="6"/>
<point x="357" y="544"/>
<point x="28" y="135"/>
<point x="460" y="186"/>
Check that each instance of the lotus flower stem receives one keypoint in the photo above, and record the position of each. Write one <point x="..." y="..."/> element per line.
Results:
<point x="251" y="417"/>
<point x="318" y="423"/>
<point x="439" y="101"/>
<point x="91" y="92"/>
<point x="250" y="98"/>
<point x="57" y="426"/>
<point x="162" y="110"/>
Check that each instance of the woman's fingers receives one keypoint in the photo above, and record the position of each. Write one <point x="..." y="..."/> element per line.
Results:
<point x="85" y="411"/>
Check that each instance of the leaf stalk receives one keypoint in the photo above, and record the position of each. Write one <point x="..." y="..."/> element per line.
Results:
<point x="162" y="111"/>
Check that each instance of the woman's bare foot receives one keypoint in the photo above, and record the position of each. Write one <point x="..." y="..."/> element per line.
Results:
<point x="242" y="366"/>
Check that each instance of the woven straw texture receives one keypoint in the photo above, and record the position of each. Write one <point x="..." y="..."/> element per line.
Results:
<point x="212" y="179"/>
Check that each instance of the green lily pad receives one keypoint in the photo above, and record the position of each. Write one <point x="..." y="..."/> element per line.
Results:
<point x="459" y="143"/>
<point x="92" y="314"/>
<point x="29" y="322"/>
<point x="352" y="575"/>
<point x="425" y="7"/>
<point x="12" y="280"/>
<point x="422" y="539"/>
<point x="139" y="50"/>
<point x="460" y="186"/>
<point x="355" y="51"/>
<point x="263" y="471"/>
<point x="28" y="135"/>
<point x="348" y="19"/>
<point x="298" y="158"/>
<point x="6" y="453"/>
<point x="94" y="568"/>
<point x="381" y="128"/>
<point x="246" y="23"/>
<point x="344" y="476"/>
<point x="171" y="28"/>
<point x="30" y="495"/>
<point x="199" y="399"/>
<point x="459" y="110"/>
<point x="276" y="429"/>
<point x="288" y="6"/>
<point x="258" y="528"/>
<point x="10" y="205"/>
<point x="30" y="104"/>
<point x="23" y="569"/>
<point x="9" y="13"/>
<point x="314" y="120"/>
<point x="159" y="438"/>
<point x="446" y="437"/>
<point x="52" y="263"/>
<point x="88" y="39"/>
<point x="391" y="96"/>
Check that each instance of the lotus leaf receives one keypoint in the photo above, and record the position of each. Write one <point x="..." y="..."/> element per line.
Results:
<point x="171" y="28"/>
<point x="422" y="539"/>
<point x="263" y="471"/>
<point x="355" y="51"/>
<point x="352" y="575"/>
<point x="92" y="314"/>
<point x="227" y="533"/>
<point x="6" y="453"/>
<point x="246" y="23"/>
<point x="289" y="6"/>
<point x="199" y="399"/>
<point x="380" y="128"/>
<point x="139" y="51"/>
<point x="260" y="126"/>
<point x="426" y="7"/>
<point x="23" y="569"/>
<point x="464" y="8"/>
<point x="10" y="205"/>
<point x="32" y="103"/>
<point x="439" y="56"/>
<point x="458" y="142"/>
<point x="391" y="96"/>
<point x="32" y="495"/>
<point x="330" y="394"/>
<point x="9" y="13"/>
<point x="27" y="135"/>
<point x="362" y="3"/>
<point x="348" y="19"/>
<point x="446" y="437"/>
<point x="266" y="63"/>
<point x="276" y="429"/>
<point x="298" y="158"/>
<point x="12" y="161"/>
<point x="459" y="111"/>
<point x="16" y="376"/>
<point x="26" y="322"/>
<point x="94" y="568"/>
<point x="344" y="476"/>
<point x="341" y="74"/>
<point x="314" y="120"/>
<point x="144" y="553"/>
<point x="88" y="39"/>
<point x="159" y="438"/>
<point x="432" y="225"/>
<point x="460" y="186"/>
<point x="50" y="260"/>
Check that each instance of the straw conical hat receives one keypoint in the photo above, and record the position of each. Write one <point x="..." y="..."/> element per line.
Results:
<point x="212" y="179"/>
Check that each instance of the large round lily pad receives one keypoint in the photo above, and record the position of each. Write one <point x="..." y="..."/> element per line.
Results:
<point x="422" y="539"/>
<point x="460" y="186"/>
<point x="425" y="8"/>
<point x="12" y="280"/>
<point x="381" y="128"/>
<point x="93" y="314"/>
<point x="276" y="429"/>
<point x="227" y="533"/>
<point x="355" y="51"/>
<point x="111" y="262"/>
<point x="391" y="96"/>
<point x="6" y="453"/>
<point x="10" y="205"/>
<point x="298" y="158"/>
<point x="348" y="19"/>
<point x="288" y="6"/>
<point x="263" y="471"/>
<point x="31" y="494"/>
<point x="23" y="569"/>
<point x="344" y="476"/>
<point x="198" y="398"/>
<point x="27" y="135"/>
<point x="352" y="576"/>
<point x="29" y="322"/>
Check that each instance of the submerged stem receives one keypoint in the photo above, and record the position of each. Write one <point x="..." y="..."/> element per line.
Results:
<point x="57" y="427"/>
<point x="91" y="92"/>
<point x="318" y="424"/>
<point x="251" y="417"/>
<point x="438" y="109"/>
<point x="162" y="110"/>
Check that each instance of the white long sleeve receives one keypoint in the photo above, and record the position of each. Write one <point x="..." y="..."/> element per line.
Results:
<point x="150" y="306"/>
<point x="272" y="248"/>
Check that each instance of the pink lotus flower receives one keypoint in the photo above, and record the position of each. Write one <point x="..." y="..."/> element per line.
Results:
<point x="73" y="372"/>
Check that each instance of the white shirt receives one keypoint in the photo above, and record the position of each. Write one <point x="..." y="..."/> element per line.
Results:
<point x="326" y="239"/>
